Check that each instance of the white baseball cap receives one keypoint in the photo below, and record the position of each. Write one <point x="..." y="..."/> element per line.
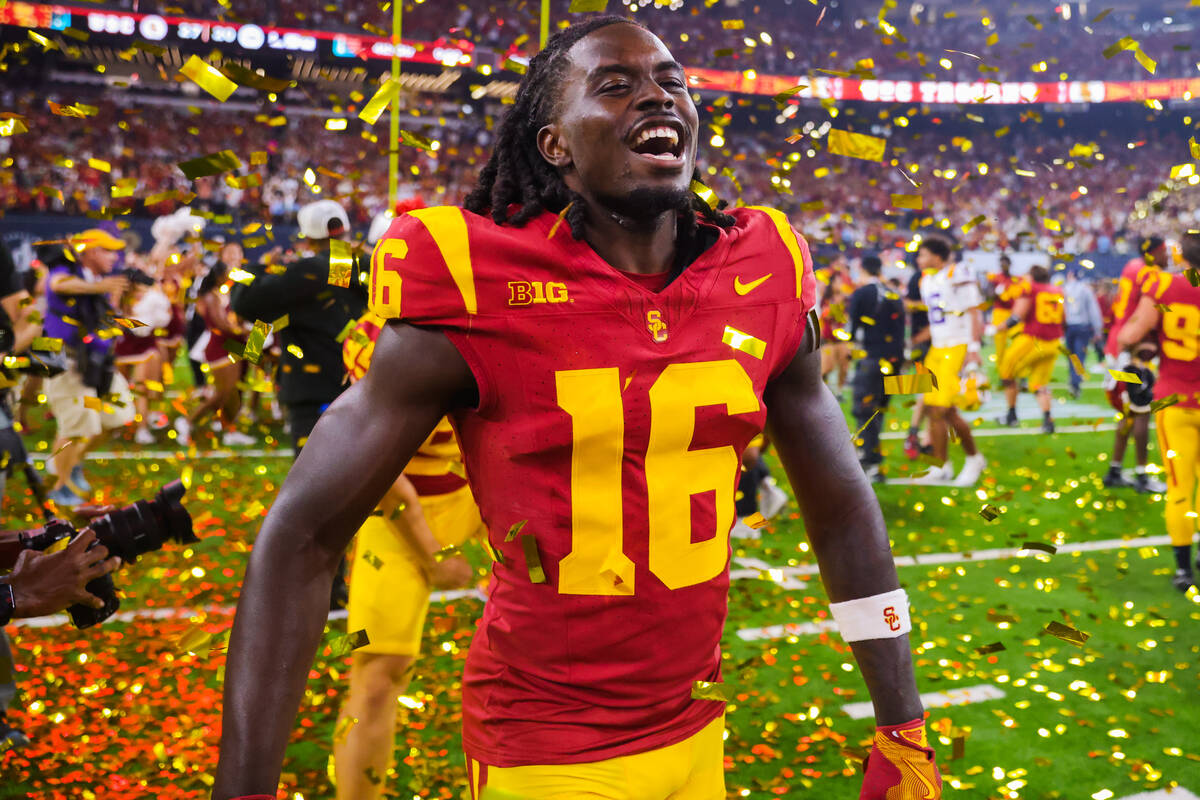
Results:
<point x="322" y="219"/>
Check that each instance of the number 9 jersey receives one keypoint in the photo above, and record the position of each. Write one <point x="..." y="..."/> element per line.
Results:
<point x="604" y="456"/>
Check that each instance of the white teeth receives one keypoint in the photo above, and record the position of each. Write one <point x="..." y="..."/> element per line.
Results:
<point x="662" y="132"/>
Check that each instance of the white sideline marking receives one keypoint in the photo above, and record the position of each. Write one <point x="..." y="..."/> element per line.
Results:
<point x="931" y="700"/>
<point x="933" y="559"/>
<point x="56" y="620"/>
<point x="789" y="629"/>
<point x="1177" y="793"/>
<point x="286" y="452"/>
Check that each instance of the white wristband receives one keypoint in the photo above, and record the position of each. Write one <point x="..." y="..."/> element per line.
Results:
<point x="972" y="347"/>
<point x="880" y="616"/>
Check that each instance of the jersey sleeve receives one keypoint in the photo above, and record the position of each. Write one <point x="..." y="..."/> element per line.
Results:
<point x="789" y="247"/>
<point x="421" y="270"/>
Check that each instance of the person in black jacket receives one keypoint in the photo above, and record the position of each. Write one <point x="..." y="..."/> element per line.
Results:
<point x="876" y="316"/>
<point x="310" y="375"/>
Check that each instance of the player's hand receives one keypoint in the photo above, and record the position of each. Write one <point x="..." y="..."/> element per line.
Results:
<point x="453" y="572"/>
<point x="46" y="583"/>
<point x="901" y="765"/>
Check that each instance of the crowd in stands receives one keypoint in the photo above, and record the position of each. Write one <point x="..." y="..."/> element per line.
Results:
<point x="794" y="36"/>
<point x="1025" y="186"/>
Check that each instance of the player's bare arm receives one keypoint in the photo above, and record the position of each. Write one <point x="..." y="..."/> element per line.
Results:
<point x="1144" y="320"/>
<point x="842" y="519"/>
<point x="352" y="457"/>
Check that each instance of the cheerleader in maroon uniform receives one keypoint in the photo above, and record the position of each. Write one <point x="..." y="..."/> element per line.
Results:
<point x="224" y="372"/>
<point x="137" y="351"/>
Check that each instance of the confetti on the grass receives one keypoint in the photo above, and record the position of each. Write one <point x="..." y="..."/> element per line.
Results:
<point x="1124" y="377"/>
<point x="856" y="145"/>
<point x="208" y="78"/>
<point x="989" y="512"/>
<point x="1066" y="633"/>
<point x="744" y="342"/>
<point x="344" y="644"/>
<point x="1042" y="546"/>
<point x="532" y="560"/>
<point x="920" y="383"/>
<point x="212" y="164"/>
<point x="994" y="647"/>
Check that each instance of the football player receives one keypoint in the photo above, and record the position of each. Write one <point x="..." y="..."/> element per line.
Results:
<point x="606" y="345"/>
<point x="1004" y="289"/>
<point x="397" y="561"/>
<point x="1039" y="311"/>
<point x="1132" y="400"/>
<point x="954" y="303"/>
<point x="1169" y="307"/>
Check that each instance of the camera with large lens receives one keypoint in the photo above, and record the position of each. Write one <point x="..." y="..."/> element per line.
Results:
<point x="127" y="533"/>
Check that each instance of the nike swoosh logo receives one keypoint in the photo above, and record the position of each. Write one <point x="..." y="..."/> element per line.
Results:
<point x="747" y="288"/>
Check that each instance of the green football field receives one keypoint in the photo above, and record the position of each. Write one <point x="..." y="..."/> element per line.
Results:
<point x="1053" y="628"/>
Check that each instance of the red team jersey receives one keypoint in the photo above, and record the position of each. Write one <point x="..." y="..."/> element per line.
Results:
<point x="1178" y="337"/>
<point x="1006" y="289"/>
<point x="1044" y="320"/>
<point x="604" y="456"/>
<point x="1129" y="292"/>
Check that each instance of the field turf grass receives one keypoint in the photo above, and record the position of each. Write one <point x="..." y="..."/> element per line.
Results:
<point x="131" y="709"/>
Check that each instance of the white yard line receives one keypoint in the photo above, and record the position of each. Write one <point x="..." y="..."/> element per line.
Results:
<point x="932" y="700"/>
<point x="286" y="452"/>
<point x="1178" y="793"/>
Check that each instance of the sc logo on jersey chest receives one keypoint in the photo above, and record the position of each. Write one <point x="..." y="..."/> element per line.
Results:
<point x="528" y="293"/>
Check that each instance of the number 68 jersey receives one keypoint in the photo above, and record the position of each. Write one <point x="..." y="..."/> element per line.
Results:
<point x="604" y="456"/>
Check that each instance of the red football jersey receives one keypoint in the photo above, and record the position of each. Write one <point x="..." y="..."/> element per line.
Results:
<point x="1129" y="292"/>
<point x="1178" y="336"/>
<point x="604" y="456"/>
<point x="1044" y="319"/>
<point x="1006" y="289"/>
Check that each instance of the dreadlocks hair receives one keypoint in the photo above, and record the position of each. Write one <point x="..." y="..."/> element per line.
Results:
<point x="517" y="176"/>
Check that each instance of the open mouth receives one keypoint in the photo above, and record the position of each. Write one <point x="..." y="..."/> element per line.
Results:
<point x="660" y="142"/>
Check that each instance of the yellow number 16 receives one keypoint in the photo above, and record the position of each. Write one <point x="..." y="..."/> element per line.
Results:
<point x="597" y="564"/>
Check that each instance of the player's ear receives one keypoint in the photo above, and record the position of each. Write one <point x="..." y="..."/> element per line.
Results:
<point x="553" y="146"/>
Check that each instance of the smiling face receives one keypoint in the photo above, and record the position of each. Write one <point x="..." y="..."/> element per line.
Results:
<point x="624" y="133"/>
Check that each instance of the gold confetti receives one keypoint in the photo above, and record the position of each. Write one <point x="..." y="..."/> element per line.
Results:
<point x="46" y="343"/>
<point x="344" y="644"/>
<point x="513" y="65"/>
<point x="704" y="193"/>
<point x="194" y="640"/>
<point x="372" y="559"/>
<point x="910" y="201"/>
<point x="208" y="78"/>
<point x="212" y="164"/>
<point x="341" y="263"/>
<point x="972" y="222"/>
<point x="1183" y="171"/>
<point x="989" y="512"/>
<point x="255" y="340"/>
<point x="562" y="215"/>
<point x="755" y="520"/>
<point x="342" y="730"/>
<point x="733" y="24"/>
<point x="253" y="510"/>
<point x="338" y="124"/>
<point x="919" y="383"/>
<point x="587" y="6"/>
<point x="514" y="530"/>
<point x="248" y="77"/>
<point x="856" y="145"/>
<point x="1042" y="546"/>
<point x="709" y="690"/>
<point x="1125" y="377"/>
<point x="379" y="101"/>
<point x="994" y="647"/>
<point x="1066" y="633"/>
<point x="295" y="350"/>
<point x="1165" y="402"/>
<point x="448" y="551"/>
<point x="744" y="342"/>
<point x="532" y="560"/>
<point x="1194" y="147"/>
<point x="93" y="403"/>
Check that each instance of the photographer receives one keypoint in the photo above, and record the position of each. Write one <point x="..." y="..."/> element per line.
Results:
<point x="78" y="309"/>
<point x="41" y="584"/>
